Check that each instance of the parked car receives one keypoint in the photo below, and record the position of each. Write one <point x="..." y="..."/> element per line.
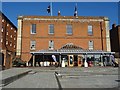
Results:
<point x="17" y="62"/>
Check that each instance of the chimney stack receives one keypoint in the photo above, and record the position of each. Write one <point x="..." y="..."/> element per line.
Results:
<point x="59" y="13"/>
<point x="114" y="25"/>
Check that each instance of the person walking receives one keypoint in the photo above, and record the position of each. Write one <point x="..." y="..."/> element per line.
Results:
<point x="113" y="61"/>
<point x="104" y="61"/>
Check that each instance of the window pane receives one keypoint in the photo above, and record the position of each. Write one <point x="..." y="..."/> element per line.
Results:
<point x="90" y="32"/>
<point x="7" y="32"/>
<point x="32" y="45"/>
<point x="1" y="40"/>
<point x="69" y="29"/>
<point x="51" y="45"/>
<point x="6" y="42"/>
<point x="90" y="43"/>
<point x="2" y="29"/>
<point x="2" y="20"/>
<point x="51" y="29"/>
<point x="33" y="31"/>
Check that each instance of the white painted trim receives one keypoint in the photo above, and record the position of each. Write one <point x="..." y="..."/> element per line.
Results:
<point x="82" y="52"/>
<point x="19" y="35"/>
<point x="107" y="35"/>
<point x="75" y="20"/>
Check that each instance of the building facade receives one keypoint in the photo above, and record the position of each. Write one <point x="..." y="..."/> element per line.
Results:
<point x="115" y="40"/>
<point x="52" y="33"/>
<point x="8" y="39"/>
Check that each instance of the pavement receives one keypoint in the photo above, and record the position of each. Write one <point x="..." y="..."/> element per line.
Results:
<point x="9" y="75"/>
<point x="35" y="80"/>
<point x="68" y="77"/>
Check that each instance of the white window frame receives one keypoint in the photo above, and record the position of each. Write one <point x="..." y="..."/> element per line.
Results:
<point x="1" y="40"/>
<point x="51" y="45"/>
<point x="11" y="36"/>
<point x="14" y="46"/>
<point x="7" y="24"/>
<point x="6" y="42"/>
<point x="7" y="32"/>
<point x="90" y="45"/>
<point x="32" y="45"/>
<point x="2" y="29"/>
<point x="90" y="30"/>
<point x="51" y="29"/>
<point x="32" y="29"/>
<point x="10" y="44"/>
<point x="69" y="29"/>
<point x="2" y="20"/>
<point x="14" y="38"/>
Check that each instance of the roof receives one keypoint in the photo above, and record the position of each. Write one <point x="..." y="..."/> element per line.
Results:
<point x="64" y="17"/>
<point x="3" y="16"/>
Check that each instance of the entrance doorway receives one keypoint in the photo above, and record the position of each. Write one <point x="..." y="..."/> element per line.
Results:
<point x="71" y="60"/>
<point x="75" y="60"/>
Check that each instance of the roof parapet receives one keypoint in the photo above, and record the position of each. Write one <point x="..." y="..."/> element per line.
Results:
<point x="20" y="17"/>
<point x="106" y="19"/>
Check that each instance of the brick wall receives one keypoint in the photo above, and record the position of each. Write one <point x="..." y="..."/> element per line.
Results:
<point x="8" y="40"/>
<point x="79" y="37"/>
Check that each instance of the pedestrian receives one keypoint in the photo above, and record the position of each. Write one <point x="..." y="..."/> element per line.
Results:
<point x="113" y="61"/>
<point x="104" y="60"/>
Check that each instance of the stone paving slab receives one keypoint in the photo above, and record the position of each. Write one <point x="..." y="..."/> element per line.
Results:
<point x="96" y="81"/>
<point x="12" y="74"/>
<point x="95" y="77"/>
<point x="77" y="77"/>
<point x="35" y="80"/>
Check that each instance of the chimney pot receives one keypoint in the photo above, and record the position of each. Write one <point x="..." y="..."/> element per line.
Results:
<point x="59" y="13"/>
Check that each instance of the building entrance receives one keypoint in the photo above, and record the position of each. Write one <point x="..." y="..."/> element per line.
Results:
<point x="75" y="60"/>
<point x="69" y="55"/>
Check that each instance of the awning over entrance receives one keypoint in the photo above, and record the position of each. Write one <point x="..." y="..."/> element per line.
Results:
<point x="71" y="51"/>
<point x="63" y="51"/>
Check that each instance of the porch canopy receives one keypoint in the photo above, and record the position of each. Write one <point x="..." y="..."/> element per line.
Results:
<point x="70" y="49"/>
<point x="65" y="52"/>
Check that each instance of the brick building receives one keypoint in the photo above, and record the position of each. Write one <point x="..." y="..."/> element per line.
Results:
<point x="39" y="37"/>
<point x="8" y="39"/>
<point x="115" y="40"/>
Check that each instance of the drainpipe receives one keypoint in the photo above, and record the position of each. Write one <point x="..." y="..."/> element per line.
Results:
<point x="101" y="35"/>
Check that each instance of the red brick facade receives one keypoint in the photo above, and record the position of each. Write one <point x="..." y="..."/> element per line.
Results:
<point x="79" y="36"/>
<point x="8" y="41"/>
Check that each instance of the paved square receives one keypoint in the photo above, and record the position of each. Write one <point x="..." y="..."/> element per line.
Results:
<point x="72" y="77"/>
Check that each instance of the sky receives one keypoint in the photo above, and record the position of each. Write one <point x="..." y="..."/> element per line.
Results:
<point x="109" y="9"/>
